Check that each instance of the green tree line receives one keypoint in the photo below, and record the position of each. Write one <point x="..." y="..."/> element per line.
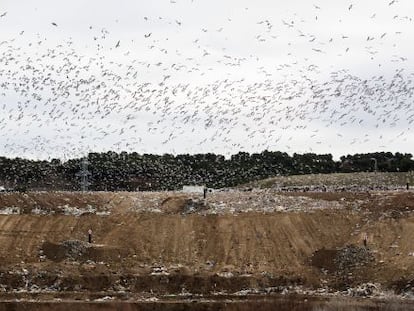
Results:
<point x="113" y="171"/>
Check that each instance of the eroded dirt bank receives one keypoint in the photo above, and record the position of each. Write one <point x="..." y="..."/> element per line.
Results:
<point x="148" y="245"/>
<point x="294" y="303"/>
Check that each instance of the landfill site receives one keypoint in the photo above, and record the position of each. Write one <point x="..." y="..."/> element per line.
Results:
<point x="163" y="250"/>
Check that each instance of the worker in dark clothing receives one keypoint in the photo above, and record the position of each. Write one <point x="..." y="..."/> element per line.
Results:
<point x="365" y="239"/>
<point x="205" y="192"/>
<point x="90" y="235"/>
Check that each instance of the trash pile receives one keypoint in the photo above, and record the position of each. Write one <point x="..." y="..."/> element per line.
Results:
<point x="352" y="256"/>
<point x="58" y="210"/>
<point x="364" y="290"/>
<point x="264" y="200"/>
<point x="10" y="210"/>
<point x="228" y="202"/>
<point x="74" y="249"/>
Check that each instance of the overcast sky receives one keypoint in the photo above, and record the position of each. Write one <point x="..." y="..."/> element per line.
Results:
<point x="191" y="76"/>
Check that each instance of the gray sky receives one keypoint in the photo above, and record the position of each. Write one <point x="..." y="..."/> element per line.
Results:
<point x="189" y="76"/>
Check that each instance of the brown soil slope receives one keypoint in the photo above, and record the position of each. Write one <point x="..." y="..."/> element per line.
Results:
<point x="141" y="247"/>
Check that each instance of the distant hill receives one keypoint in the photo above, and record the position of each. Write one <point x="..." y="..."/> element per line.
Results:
<point x="361" y="180"/>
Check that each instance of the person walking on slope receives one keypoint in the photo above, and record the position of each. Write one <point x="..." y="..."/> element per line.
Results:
<point x="90" y="235"/>
<point x="365" y="239"/>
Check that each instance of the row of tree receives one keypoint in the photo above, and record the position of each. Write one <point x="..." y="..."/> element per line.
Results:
<point x="132" y="171"/>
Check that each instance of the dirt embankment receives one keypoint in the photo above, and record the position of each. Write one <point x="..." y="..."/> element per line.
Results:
<point x="169" y="243"/>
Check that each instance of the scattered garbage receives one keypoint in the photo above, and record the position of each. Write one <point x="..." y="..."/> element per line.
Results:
<point x="351" y="256"/>
<point x="13" y="210"/>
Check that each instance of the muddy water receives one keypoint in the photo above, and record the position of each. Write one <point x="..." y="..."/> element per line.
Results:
<point x="259" y="304"/>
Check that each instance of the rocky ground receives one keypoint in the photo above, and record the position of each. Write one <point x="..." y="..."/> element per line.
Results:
<point x="159" y="246"/>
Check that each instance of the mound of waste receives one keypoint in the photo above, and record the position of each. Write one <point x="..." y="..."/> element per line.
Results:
<point x="70" y="250"/>
<point x="182" y="204"/>
<point x="342" y="259"/>
<point x="352" y="256"/>
<point x="76" y="250"/>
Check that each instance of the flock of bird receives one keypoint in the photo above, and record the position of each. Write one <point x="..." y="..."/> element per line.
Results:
<point x="56" y="100"/>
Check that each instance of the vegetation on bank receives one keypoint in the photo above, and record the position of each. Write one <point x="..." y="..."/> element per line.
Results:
<point x="132" y="171"/>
